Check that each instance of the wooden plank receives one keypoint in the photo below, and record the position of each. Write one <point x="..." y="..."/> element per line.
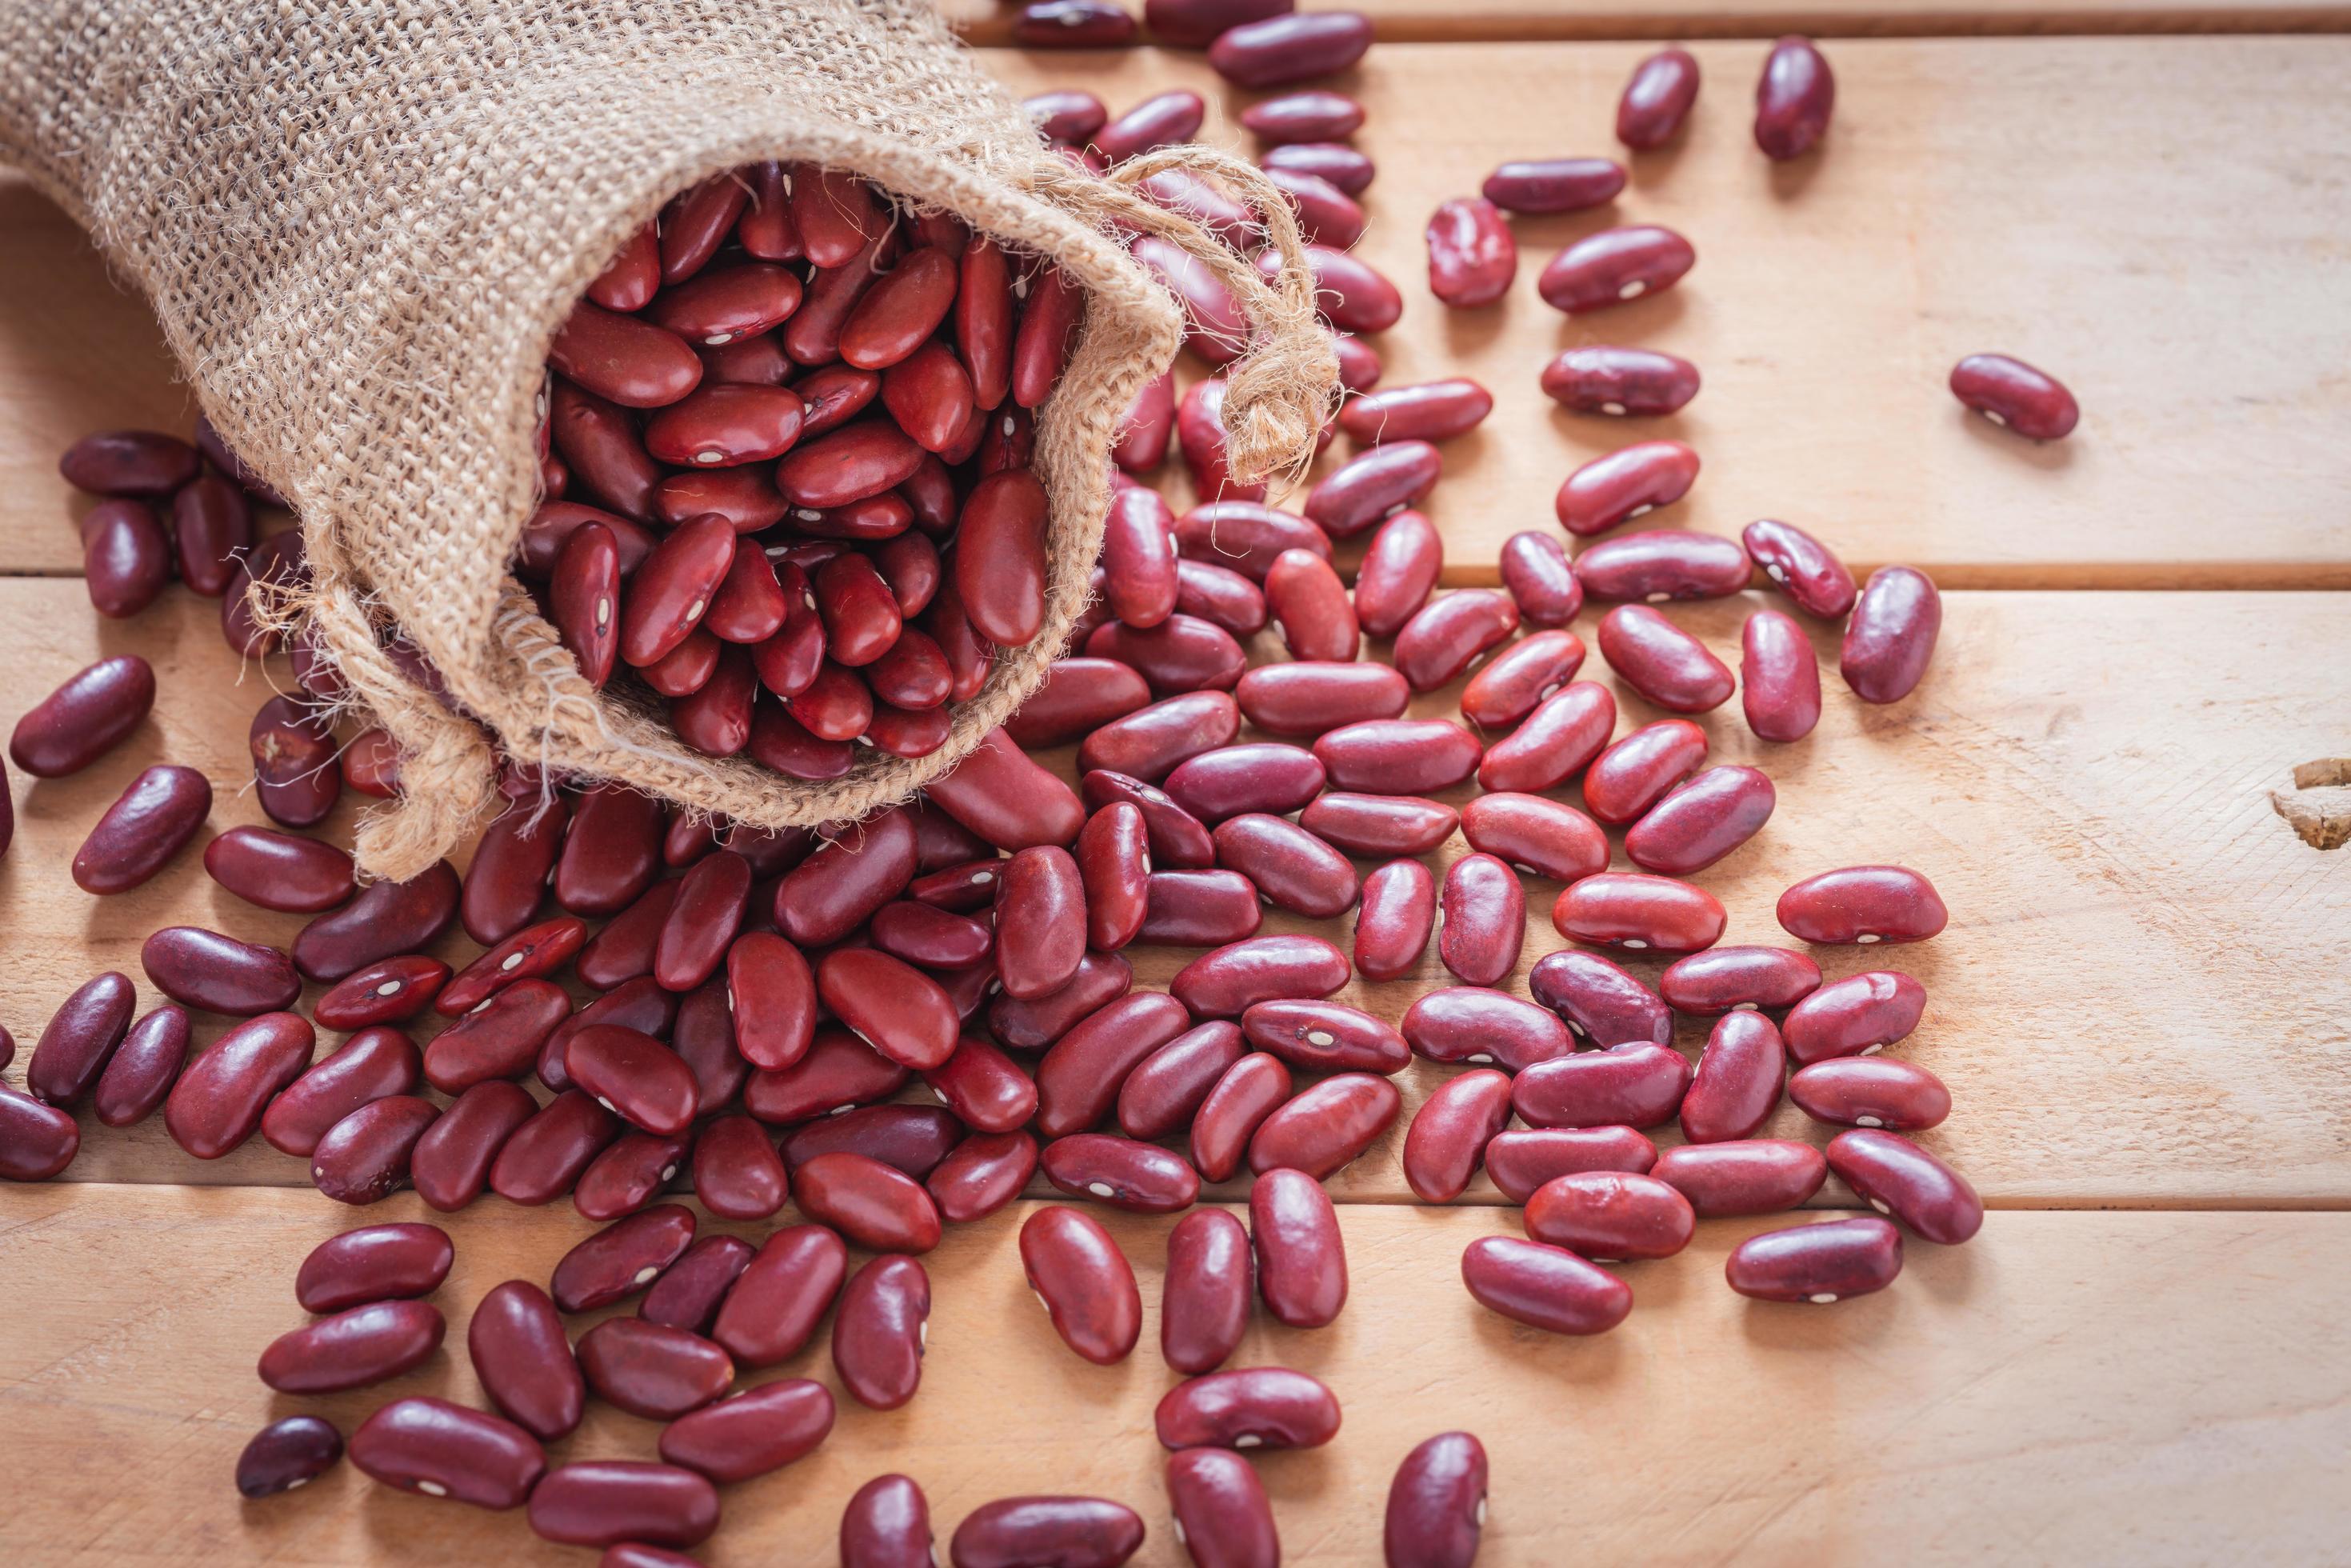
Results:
<point x="2131" y="1387"/>
<point x="2139" y="1002"/>
<point x="989" y="21"/>
<point x="2074" y="202"/>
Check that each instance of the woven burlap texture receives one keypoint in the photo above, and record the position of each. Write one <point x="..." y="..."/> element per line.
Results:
<point x="360" y="225"/>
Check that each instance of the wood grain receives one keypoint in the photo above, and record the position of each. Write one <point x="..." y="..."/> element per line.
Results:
<point x="2138" y="999"/>
<point x="2068" y="1387"/>
<point x="1438" y="21"/>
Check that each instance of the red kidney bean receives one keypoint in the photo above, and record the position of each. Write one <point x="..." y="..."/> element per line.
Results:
<point x="1723" y="978"/>
<point x="623" y="1258"/>
<point x="549" y="530"/>
<point x="1737" y="1085"/>
<point x="519" y="1352"/>
<point x="440" y="1449"/>
<point x="1437" y="1504"/>
<point x="352" y="1349"/>
<point x="1793" y="98"/>
<point x="529" y="954"/>
<point x="839" y="886"/>
<point x="1807" y="569"/>
<point x="984" y="1087"/>
<point x="129" y="463"/>
<point x="84" y="718"/>
<point x="1392" y="927"/>
<point x="1656" y="100"/>
<point x="1349" y="293"/>
<point x="1221" y="1517"/>
<point x="1632" y="910"/>
<point x="1753" y="1176"/>
<point x="1081" y="1076"/>
<point x="372" y="764"/>
<point x="452" y="1159"/>
<point x="218" y="1100"/>
<point x="1376" y="484"/>
<point x="1870" y="1092"/>
<point x="1610" y="1216"/>
<point x="1320" y="1036"/>
<point x="1543" y="1287"/>
<point x="1149" y="743"/>
<point x="1897" y="1177"/>
<point x="930" y="937"/>
<point x="1541" y="582"/>
<point x="1403" y="757"/>
<point x="1312" y="608"/>
<point x="599" y="443"/>
<point x="1204" y="1307"/>
<point x="1638" y="1085"/>
<point x="1219" y="597"/>
<point x="613" y="852"/>
<point x="627" y="360"/>
<point x="373" y="1064"/>
<point x="1542" y="837"/>
<point x="1615" y="265"/>
<point x="1565" y="732"/>
<point x="1041" y="347"/>
<point x="1163" y="1093"/>
<point x="1523" y="675"/>
<point x="80" y="1039"/>
<point x="899" y="312"/>
<point x="1700" y="820"/>
<point x="1379" y="824"/>
<point x="1600" y="1001"/>
<point x="1891" y="637"/>
<point x="754" y="1433"/>
<point x="772" y="999"/>
<point x="1290" y="866"/>
<point x="1522" y="1160"/>
<point x="887" y="1524"/>
<point x="1821" y="1263"/>
<point x="1007" y="799"/>
<point x="1863" y="903"/>
<point x="1148" y="426"/>
<point x="1248" y="1407"/>
<point x="889" y="1005"/>
<point x="1779" y="678"/>
<point x="1637" y="772"/>
<point x="2012" y="393"/>
<point x="126" y="557"/>
<point x="1472" y="256"/>
<point x="1163" y="120"/>
<point x="1311" y="698"/>
<point x="775" y="1305"/>
<point x="1179" y="654"/>
<point x="1858" y="1016"/>
<point x="629" y="1174"/>
<point x="1065" y="114"/>
<point x="875" y="1206"/>
<point x="1040" y="923"/>
<point x="1485" y="919"/>
<point x="1120" y="1172"/>
<point x="1077" y="1532"/>
<point x="1342" y="165"/>
<point x="294" y="769"/>
<point x="287" y="1454"/>
<point x="1446" y="638"/>
<point x="601" y="1502"/>
<point x="1314" y="115"/>
<point x="1602" y="378"/>
<point x="848" y="464"/>
<point x="667" y="595"/>
<point x="1326" y="1126"/>
<point x="1243" y="535"/>
<point x="1663" y="564"/>
<point x="1473" y="1024"/>
<point x="541" y="1158"/>
<point x="911" y="1139"/>
<point x="1083" y="1280"/>
<point x="1114" y="867"/>
<point x="1278" y="51"/>
<point x="1301" y="1260"/>
<point x="1102" y="978"/>
<point x="1139" y="553"/>
<point x="833" y="211"/>
<point x="634" y="1076"/>
<point x="278" y="871"/>
<point x="749" y="605"/>
<point x="985" y="1172"/>
<point x="1662" y="662"/>
<point x="1196" y="24"/>
<point x="737" y="1171"/>
<point x="729" y="305"/>
<point x="1555" y="184"/>
<point x="1251" y="1090"/>
<point x="1394" y="582"/>
<point x="142" y="1069"/>
<point x="1199" y="414"/>
<point x="1225" y="983"/>
<point x="1079" y="695"/>
<point x="36" y="1140"/>
<point x="861" y="617"/>
<point x="1450" y="1133"/>
<point x="651" y="1370"/>
<point x="388" y="918"/>
<point x="499" y="1040"/>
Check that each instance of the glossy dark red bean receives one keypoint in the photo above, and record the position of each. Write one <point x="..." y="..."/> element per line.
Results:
<point x="126" y="557"/>
<point x="1722" y="979"/>
<point x="929" y="937"/>
<point x="1520" y="677"/>
<point x="219" y="1098"/>
<point x="1565" y="732"/>
<point x="1079" y="1078"/>
<point x="540" y="1159"/>
<point x="371" y="1065"/>
<point x="601" y="1502"/>
<point x="1662" y="662"/>
<point x="1162" y="1094"/>
<point x="1484" y="913"/>
<point x="857" y="460"/>
<point x="635" y="361"/>
<point x="529" y="954"/>
<point x="1205" y="1300"/>
<point x="887" y="1524"/>
<point x="772" y="994"/>
<point x="1379" y="824"/>
<point x="634" y="1076"/>
<point x="1221" y="1517"/>
<point x="702" y="925"/>
<point x="1613" y="266"/>
<point x="985" y="1088"/>
<point x="1870" y="1092"/>
<point x="1349" y="294"/>
<point x="1542" y="1286"/>
<point x="1367" y="490"/>
<point x="294" y="768"/>
<point x="1079" y="695"/>
<point x="1394" y="581"/>
<point x="962" y="888"/>
<point x="1301" y="1259"/>
<point x="1543" y="584"/>
<point x="861" y="616"/>
<point x="1600" y="1001"/>
<point x="1120" y="1172"/>
<point x="1486" y="1028"/>
<point x="1897" y="1177"/>
<point x="1139" y="555"/>
<point x="1779" y="678"/>
<point x="352" y="1349"/>
<point x="1656" y="100"/>
<point x="1322" y="1036"/>
<point x="525" y="1361"/>
<point x="776" y="1303"/>
<point x="1040" y="922"/>
<point x="129" y="463"/>
<point x="445" y="1450"/>
<point x="1555" y="184"/>
<point x="606" y="457"/>
<point x="1312" y="698"/>
<point x="652" y="1370"/>
<point x="1793" y="98"/>
<point x="1312" y="115"/>
<point x="142" y="1069"/>
<point x="1393" y="925"/>
<point x="613" y="852"/>
<point x="737" y="1171"/>
<point x="1343" y="166"/>
<point x="452" y="1160"/>
<point x="36" y="1140"/>
<point x="984" y="1172"/>
<point x="373" y="1263"/>
<point x="1065" y="114"/>
<point x="387" y="919"/>
<point x="1603" y="378"/>
<point x="1113" y="858"/>
<point x="629" y="1174"/>
<point x="1160" y="120"/>
<point x="1199" y="414"/>
<point x="1180" y="655"/>
<point x="1450" y="1133"/>
<point x="1220" y="596"/>
<point x="869" y="1202"/>
<point x="622" y="1258"/>
<point x="1539" y="836"/>
<point x="1437" y="1504"/>
<point x="910" y="1139"/>
<point x="667" y="596"/>
<point x="1088" y="1289"/>
<point x="1451" y="634"/>
<point x="145" y="827"/>
<point x="371" y="764"/>
<point x="1751" y="1175"/>
<point x="1196" y="24"/>
<point x="1700" y="820"/>
<point x="1640" y="912"/>
<point x="838" y="888"/>
<point x="2014" y="394"/>
<point x="1326" y="1126"/>
<point x="1863" y="904"/>
<point x="499" y="1040"/>
<point x="1522" y="1160"/>
<point x="688" y="1294"/>
<point x="1807" y="569"/>
<point x="755" y="1432"/>
<point x="1251" y="1090"/>
<point x="1738" y="1081"/>
<point x="888" y="1003"/>
<point x="287" y="1454"/>
<point x="279" y="870"/>
<point x="1632" y="774"/>
<point x="1472" y="255"/>
<point x="1178" y="840"/>
<point x="1226" y="982"/>
<point x="1041" y="349"/>
<point x="1821" y="1263"/>
<point x="1402" y="757"/>
<point x="1245" y="535"/>
<point x="1247" y="1408"/>
<point x="1102" y="978"/>
<point x="1891" y="637"/>
<point x="1003" y="796"/>
<point x="1626" y="1085"/>
<point x="84" y="718"/>
<point x="1290" y="866"/>
<point x="1068" y="1531"/>
<point x="1856" y="1016"/>
<point x="1310" y="607"/>
<point x="1625" y="484"/>
<point x="1199" y="908"/>
<point x="1149" y="743"/>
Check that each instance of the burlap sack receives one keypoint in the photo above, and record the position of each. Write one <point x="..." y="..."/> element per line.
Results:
<point x="360" y="224"/>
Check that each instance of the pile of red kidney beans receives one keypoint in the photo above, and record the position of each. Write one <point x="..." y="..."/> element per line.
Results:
<point x="789" y="431"/>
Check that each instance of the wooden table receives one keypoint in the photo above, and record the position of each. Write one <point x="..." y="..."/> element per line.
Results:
<point x="2139" y="1005"/>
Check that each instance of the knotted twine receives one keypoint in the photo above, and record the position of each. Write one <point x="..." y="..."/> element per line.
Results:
<point x="361" y="225"/>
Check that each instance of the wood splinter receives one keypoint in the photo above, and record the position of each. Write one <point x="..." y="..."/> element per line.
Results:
<point x="2318" y="808"/>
